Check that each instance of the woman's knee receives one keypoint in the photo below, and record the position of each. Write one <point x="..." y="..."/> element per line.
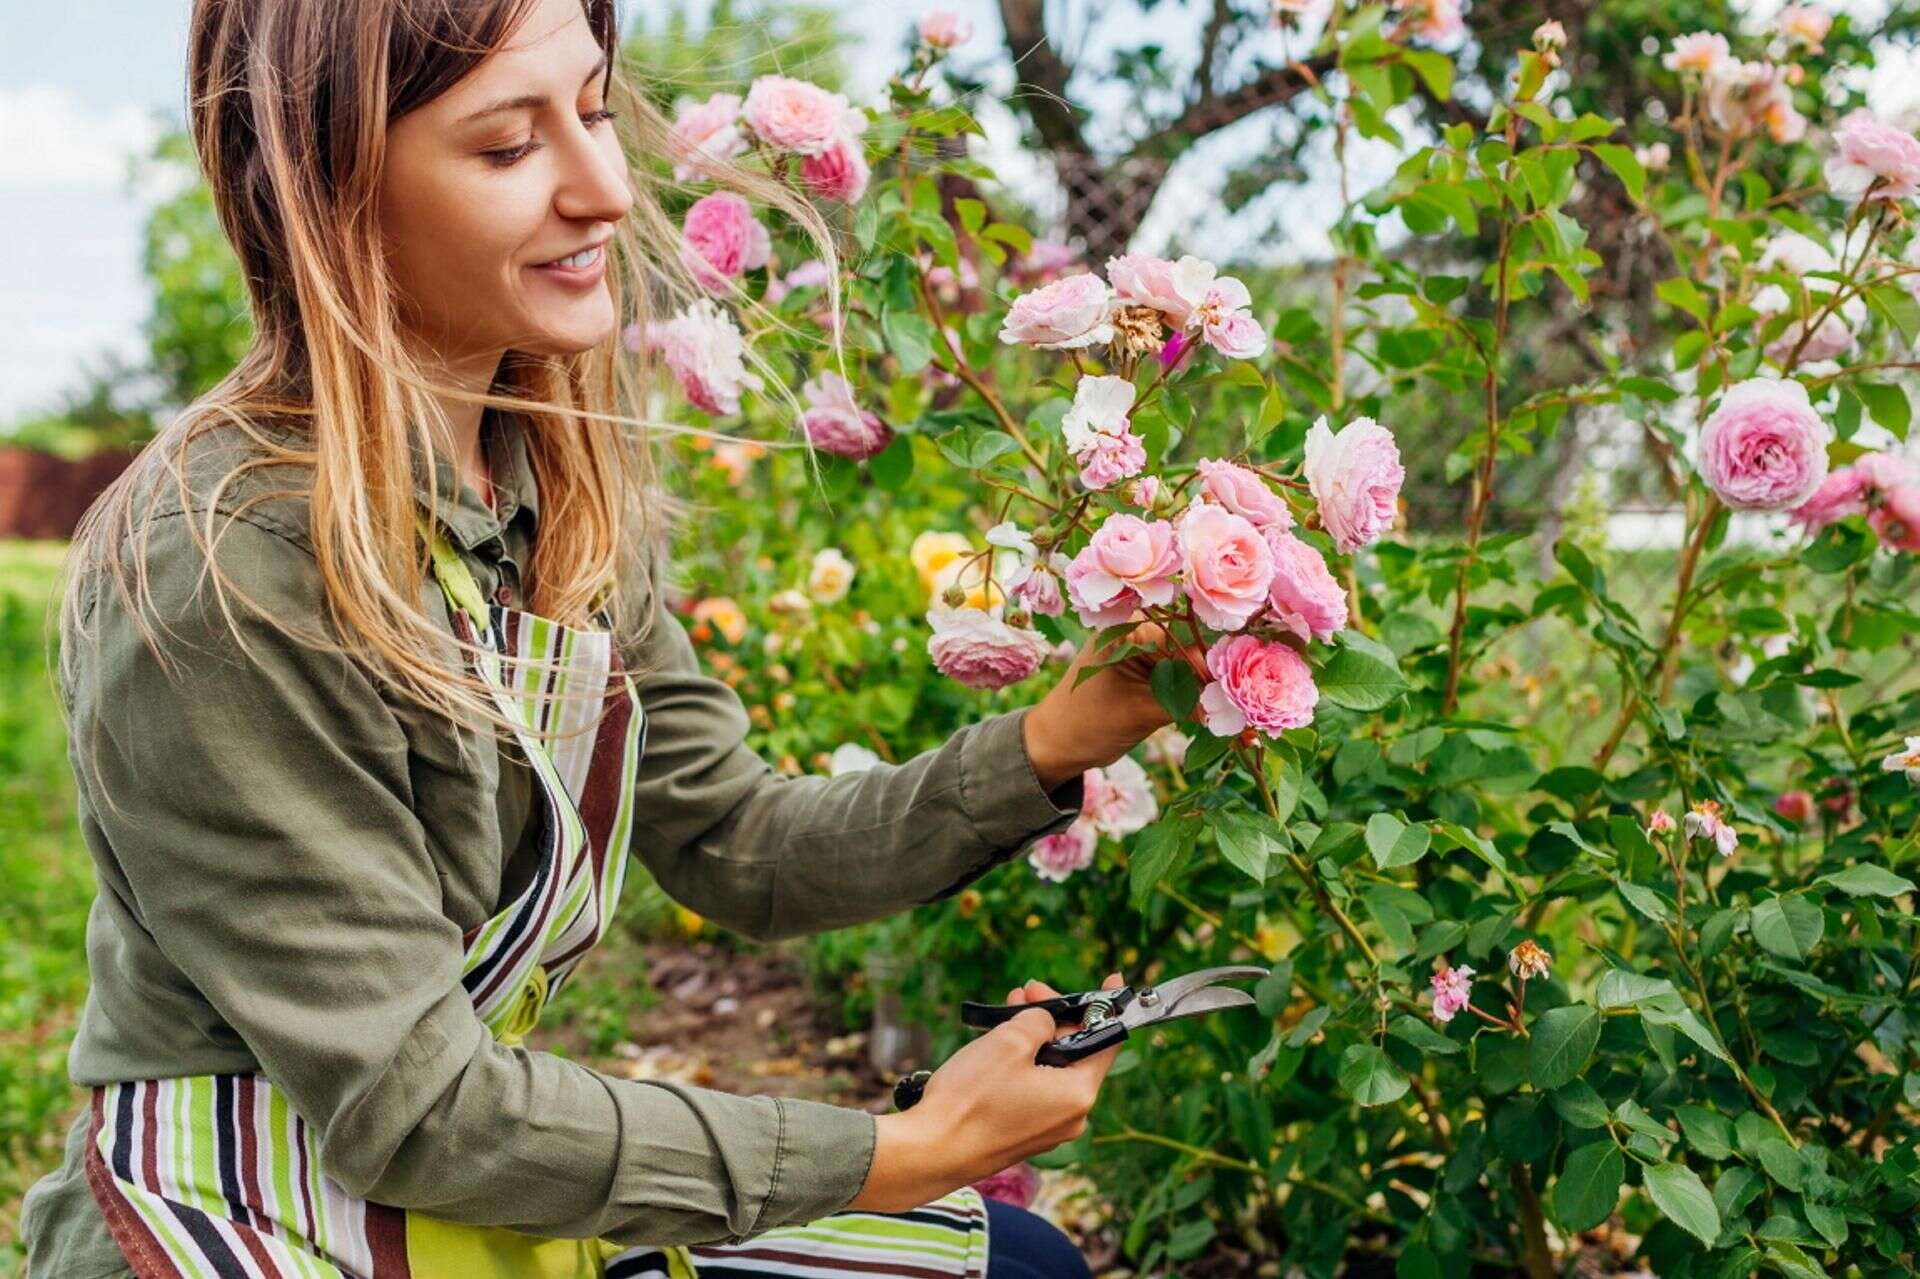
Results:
<point x="1024" y="1245"/>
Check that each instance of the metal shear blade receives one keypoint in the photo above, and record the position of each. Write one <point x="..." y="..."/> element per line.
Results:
<point x="1191" y="994"/>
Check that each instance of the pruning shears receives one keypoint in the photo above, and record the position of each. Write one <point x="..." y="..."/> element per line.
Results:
<point x="1104" y="1017"/>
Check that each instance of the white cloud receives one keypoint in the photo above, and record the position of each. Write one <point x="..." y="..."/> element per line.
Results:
<point x="48" y="139"/>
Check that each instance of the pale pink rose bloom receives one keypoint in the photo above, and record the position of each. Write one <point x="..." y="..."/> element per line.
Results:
<point x="1742" y="96"/>
<point x="1702" y="52"/>
<point x="839" y="172"/>
<point x="1118" y="799"/>
<point x="1144" y="492"/>
<point x="1549" y="36"/>
<point x="1436" y="21"/>
<point x="1167" y="745"/>
<point x="705" y="131"/>
<point x="1244" y="493"/>
<point x="977" y="649"/>
<point x="1016" y="1185"/>
<point x="1129" y="563"/>
<point x="1703" y="821"/>
<point x="1355" y="475"/>
<point x="1226" y="323"/>
<point x="1795" y="806"/>
<point x="1228" y="565"/>
<point x="1044" y="261"/>
<point x="1842" y="493"/>
<point x="1452" y="992"/>
<point x="1036" y="587"/>
<point x="1057" y="856"/>
<point x="1797" y="255"/>
<point x="795" y="116"/>
<point x="1905" y="761"/>
<point x="945" y="29"/>
<point x="1764" y="448"/>
<point x="1876" y="157"/>
<point x="1098" y="434"/>
<point x="1832" y="337"/>
<point x="1884" y="472"/>
<point x="1305" y="597"/>
<point x="836" y="423"/>
<point x="1069" y="313"/>
<point x="1805" y="24"/>
<point x="1661" y="823"/>
<point x="720" y="239"/>
<point x="1259" y="684"/>
<point x="809" y="274"/>
<point x="1896" y="520"/>
<point x="1140" y="279"/>
<point x="706" y="353"/>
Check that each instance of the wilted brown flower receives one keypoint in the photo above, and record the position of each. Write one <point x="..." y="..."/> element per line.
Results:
<point x="1529" y="959"/>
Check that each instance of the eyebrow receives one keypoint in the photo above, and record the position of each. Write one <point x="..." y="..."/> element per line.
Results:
<point x="530" y="99"/>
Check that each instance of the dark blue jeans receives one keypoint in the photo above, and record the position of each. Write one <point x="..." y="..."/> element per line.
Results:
<point x="1024" y="1245"/>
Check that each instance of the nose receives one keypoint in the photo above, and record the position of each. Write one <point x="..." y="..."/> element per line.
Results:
<point x="594" y="185"/>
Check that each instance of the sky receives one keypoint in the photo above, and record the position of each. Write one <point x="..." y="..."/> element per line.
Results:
<point x="84" y="84"/>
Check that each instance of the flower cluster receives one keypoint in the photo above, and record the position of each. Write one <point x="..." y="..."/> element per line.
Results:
<point x="1147" y="300"/>
<point x="1884" y="487"/>
<point x="1116" y="801"/>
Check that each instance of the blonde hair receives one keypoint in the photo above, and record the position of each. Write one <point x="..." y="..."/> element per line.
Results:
<point x="289" y="102"/>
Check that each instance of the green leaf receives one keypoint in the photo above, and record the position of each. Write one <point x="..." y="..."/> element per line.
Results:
<point x="1782" y="1163"/>
<point x="1580" y="1105"/>
<point x="1247" y="839"/>
<point x="1272" y="993"/>
<point x="1394" y="843"/>
<point x="1654" y="905"/>
<point x="1866" y="880"/>
<point x="1887" y="404"/>
<point x="1589" y="1185"/>
<point x="1369" y="1076"/>
<point x="1709" y="1132"/>
<point x="909" y="338"/>
<point x="1789" y="926"/>
<point x="1622" y="988"/>
<point x="1435" y="69"/>
<point x="1625" y="165"/>
<point x="1683" y="295"/>
<point x="1175" y="687"/>
<point x="1677" y="1192"/>
<point x="1156" y="852"/>
<point x="1562" y="1040"/>
<point x="892" y="466"/>
<point x="1413" y="1031"/>
<point x="1792" y="1262"/>
<point x="1361" y="675"/>
<point x="1660" y="1012"/>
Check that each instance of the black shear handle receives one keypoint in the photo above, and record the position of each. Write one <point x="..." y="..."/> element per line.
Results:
<point x="1066" y="1009"/>
<point x="1063" y="1051"/>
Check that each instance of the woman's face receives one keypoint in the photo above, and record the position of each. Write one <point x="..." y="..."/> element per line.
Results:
<point x="489" y="184"/>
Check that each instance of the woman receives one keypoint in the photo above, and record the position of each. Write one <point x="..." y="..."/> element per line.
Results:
<point x="371" y="688"/>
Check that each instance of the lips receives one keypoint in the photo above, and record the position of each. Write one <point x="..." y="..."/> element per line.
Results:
<point x="585" y="248"/>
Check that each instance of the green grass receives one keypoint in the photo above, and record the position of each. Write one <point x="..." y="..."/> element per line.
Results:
<point x="46" y="886"/>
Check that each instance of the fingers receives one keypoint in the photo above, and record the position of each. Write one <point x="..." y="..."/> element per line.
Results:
<point x="1026" y="1032"/>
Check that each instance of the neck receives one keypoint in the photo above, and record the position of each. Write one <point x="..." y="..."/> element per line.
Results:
<point x="460" y="441"/>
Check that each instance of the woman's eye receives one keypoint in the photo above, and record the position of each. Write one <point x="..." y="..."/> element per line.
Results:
<point x="512" y="155"/>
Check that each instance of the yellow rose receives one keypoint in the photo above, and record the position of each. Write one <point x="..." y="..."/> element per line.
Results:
<point x="830" y="576"/>
<point x="933" y="551"/>
<point x="723" y="615"/>
<point x="970" y="575"/>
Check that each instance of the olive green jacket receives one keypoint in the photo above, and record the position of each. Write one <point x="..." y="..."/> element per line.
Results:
<point x="287" y="860"/>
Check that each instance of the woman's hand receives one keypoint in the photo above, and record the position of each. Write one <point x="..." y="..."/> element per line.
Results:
<point x="1073" y="729"/>
<point x="989" y="1106"/>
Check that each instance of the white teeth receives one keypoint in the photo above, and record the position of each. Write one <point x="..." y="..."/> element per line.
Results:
<point x="578" y="260"/>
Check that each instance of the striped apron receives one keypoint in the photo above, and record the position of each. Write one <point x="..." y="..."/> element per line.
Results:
<point x="217" y="1177"/>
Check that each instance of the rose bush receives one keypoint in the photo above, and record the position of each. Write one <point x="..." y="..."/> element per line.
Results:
<point x="1660" y="997"/>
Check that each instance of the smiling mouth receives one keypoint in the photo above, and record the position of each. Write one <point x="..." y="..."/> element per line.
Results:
<point x="581" y="261"/>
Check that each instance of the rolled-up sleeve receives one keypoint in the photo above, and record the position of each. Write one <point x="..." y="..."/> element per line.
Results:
<point x="257" y="806"/>
<point x="774" y="856"/>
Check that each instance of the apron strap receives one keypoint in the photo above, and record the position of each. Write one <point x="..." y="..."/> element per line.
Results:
<point x="455" y="578"/>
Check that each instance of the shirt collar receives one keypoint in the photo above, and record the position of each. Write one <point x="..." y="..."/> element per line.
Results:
<point x="463" y="512"/>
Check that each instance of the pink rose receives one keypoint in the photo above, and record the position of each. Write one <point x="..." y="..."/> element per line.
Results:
<point x="1436" y="21"/>
<point x="1701" y="52"/>
<point x="1228" y="565"/>
<point x="1118" y="799"/>
<point x="1842" y="493"/>
<point x="945" y="29"/>
<point x="1058" y="855"/>
<point x="795" y="116"/>
<point x="1139" y="279"/>
<point x="1897" y="518"/>
<point x="1244" y="493"/>
<point x="1044" y="261"/>
<point x="839" y="172"/>
<point x="1871" y="157"/>
<point x="1703" y="821"/>
<point x="1795" y="806"/>
<point x="1452" y="992"/>
<point x="1176" y="345"/>
<point x="1661" y="823"/>
<point x="706" y="353"/>
<point x="1805" y="24"/>
<point x="979" y="650"/>
<point x="1257" y="683"/>
<point x="1129" y="563"/>
<point x="1144" y="492"/>
<point x="1884" y="472"/>
<point x="1764" y="448"/>
<point x="1098" y="434"/>
<point x="1305" y="597"/>
<point x="1064" y="315"/>
<point x="705" y="131"/>
<point x="1036" y="587"/>
<point x="720" y="240"/>
<point x="1355" y="476"/>
<point x="1226" y="324"/>
<point x="837" y="424"/>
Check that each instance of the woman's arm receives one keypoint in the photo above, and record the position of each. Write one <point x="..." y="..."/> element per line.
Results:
<point x="256" y="811"/>
<point x="775" y="856"/>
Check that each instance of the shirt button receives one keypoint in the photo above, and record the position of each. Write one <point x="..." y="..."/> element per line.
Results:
<point x="503" y="594"/>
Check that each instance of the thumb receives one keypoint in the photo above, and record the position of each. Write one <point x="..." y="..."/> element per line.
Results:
<point x="1027" y="1031"/>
